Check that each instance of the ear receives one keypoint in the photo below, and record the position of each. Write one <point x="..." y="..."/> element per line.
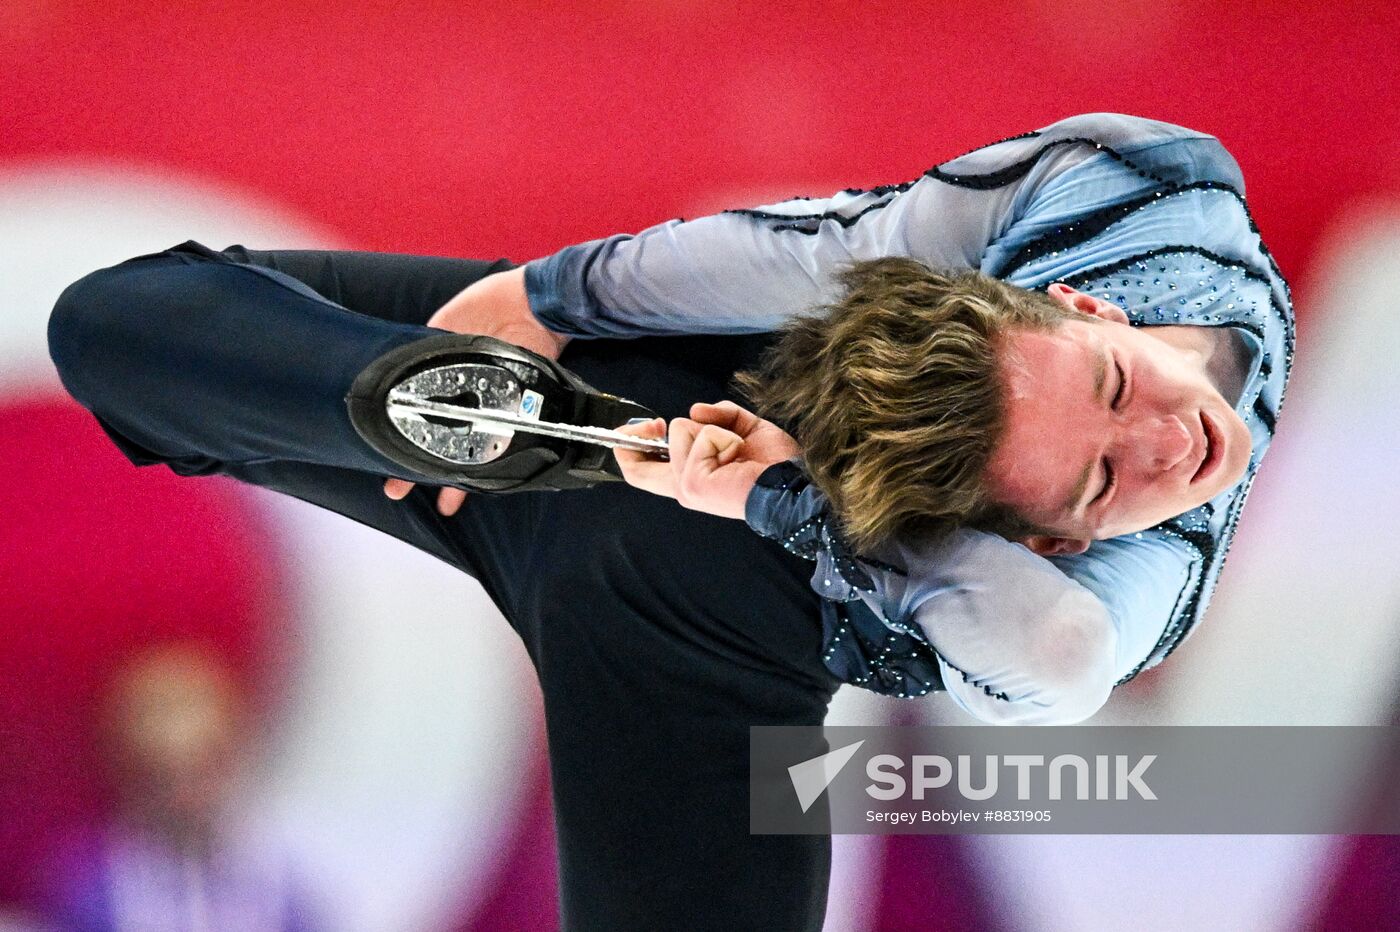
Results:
<point x="1086" y="303"/>
<point x="1047" y="545"/>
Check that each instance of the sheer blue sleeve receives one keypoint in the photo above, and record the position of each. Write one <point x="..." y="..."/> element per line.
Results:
<point x="747" y="271"/>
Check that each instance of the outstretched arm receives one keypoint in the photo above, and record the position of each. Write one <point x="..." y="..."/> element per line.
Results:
<point x="749" y="271"/>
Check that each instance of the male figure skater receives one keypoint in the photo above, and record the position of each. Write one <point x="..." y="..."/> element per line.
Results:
<point x="661" y="635"/>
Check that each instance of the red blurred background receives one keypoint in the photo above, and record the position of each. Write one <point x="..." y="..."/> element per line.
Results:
<point x="513" y="129"/>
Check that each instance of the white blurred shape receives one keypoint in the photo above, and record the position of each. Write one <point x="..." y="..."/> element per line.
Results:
<point x="407" y="759"/>
<point x="412" y="721"/>
<point x="857" y="861"/>
<point x="1088" y="883"/>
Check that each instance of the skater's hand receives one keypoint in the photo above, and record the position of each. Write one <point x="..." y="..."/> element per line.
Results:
<point x="496" y="306"/>
<point x="448" y="500"/>
<point x="716" y="457"/>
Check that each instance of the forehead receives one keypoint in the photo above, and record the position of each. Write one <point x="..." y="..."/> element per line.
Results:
<point x="1029" y="358"/>
<point x="1048" y="396"/>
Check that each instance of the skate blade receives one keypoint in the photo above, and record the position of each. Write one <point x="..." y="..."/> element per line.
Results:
<point x="481" y="430"/>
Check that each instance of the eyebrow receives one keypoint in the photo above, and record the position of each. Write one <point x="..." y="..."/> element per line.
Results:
<point x="1071" y="503"/>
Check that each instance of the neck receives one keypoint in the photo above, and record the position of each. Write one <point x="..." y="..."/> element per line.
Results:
<point x="1218" y="351"/>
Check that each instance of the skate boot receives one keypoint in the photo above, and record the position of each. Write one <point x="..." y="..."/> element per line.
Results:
<point x="484" y="415"/>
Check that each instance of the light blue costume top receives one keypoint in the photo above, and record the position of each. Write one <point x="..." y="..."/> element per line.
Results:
<point x="1144" y="214"/>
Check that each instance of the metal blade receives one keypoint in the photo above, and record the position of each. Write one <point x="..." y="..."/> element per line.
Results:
<point x="402" y="402"/>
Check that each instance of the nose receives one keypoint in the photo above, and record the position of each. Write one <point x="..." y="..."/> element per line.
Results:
<point x="1163" y="442"/>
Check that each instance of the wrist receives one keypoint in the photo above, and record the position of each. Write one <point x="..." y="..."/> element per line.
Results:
<point x="769" y="500"/>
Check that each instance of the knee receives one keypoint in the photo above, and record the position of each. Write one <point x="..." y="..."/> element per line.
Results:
<point x="74" y="330"/>
<point x="94" y="320"/>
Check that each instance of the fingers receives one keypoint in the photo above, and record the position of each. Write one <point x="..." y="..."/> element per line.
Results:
<point x="498" y="306"/>
<point x="680" y="438"/>
<point x="726" y="414"/>
<point x="714" y="446"/>
<point x="710" y="468"/>
<point x="448" y="502"/>
<point x="764" y="441"/>
<point x="697" y="450"/>
<point x="643" y="470"/>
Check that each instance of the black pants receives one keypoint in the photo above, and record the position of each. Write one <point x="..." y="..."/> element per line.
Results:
<point x="659" y="634"/>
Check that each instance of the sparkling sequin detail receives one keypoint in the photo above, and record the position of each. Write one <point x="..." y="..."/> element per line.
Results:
<point x="1067" y="237"/>
<point x="858" y="646"/>
<point x="861" y="649"/>
<point x="810" y="223"/>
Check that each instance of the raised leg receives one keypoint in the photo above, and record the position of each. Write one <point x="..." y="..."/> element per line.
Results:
<point x="659" y="634"/>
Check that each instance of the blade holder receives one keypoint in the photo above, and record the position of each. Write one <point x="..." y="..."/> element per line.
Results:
<point x="503" y="407"/>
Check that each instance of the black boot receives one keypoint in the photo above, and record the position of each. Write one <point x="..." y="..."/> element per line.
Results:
<point x="479" y="371"/>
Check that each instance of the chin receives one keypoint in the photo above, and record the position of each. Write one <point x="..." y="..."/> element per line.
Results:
<point x="1239" y="445"/>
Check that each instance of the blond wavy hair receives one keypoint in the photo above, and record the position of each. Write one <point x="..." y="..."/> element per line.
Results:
<point x="896" y="398"/>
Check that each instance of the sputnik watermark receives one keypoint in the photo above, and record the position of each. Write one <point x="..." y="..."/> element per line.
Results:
<point x="1208" y="780"/>
<point x="811" y="777"/>
<point x="931" y="772"/>
<point x="1105" y="778"/>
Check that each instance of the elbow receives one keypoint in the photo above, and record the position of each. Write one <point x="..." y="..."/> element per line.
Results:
<point x="1061" y="676"/>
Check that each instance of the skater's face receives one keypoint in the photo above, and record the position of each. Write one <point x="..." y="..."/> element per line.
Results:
<point x="1109" y="429"/>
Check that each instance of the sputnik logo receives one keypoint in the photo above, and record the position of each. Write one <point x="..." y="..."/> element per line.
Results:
<point x="811" y="777"/>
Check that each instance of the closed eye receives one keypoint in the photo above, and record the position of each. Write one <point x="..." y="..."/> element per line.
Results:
<point x="1122" y="384"/>
<point x="1108" y="480"/>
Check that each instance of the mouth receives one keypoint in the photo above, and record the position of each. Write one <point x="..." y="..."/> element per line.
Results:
<point x="1213" y="452"/>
